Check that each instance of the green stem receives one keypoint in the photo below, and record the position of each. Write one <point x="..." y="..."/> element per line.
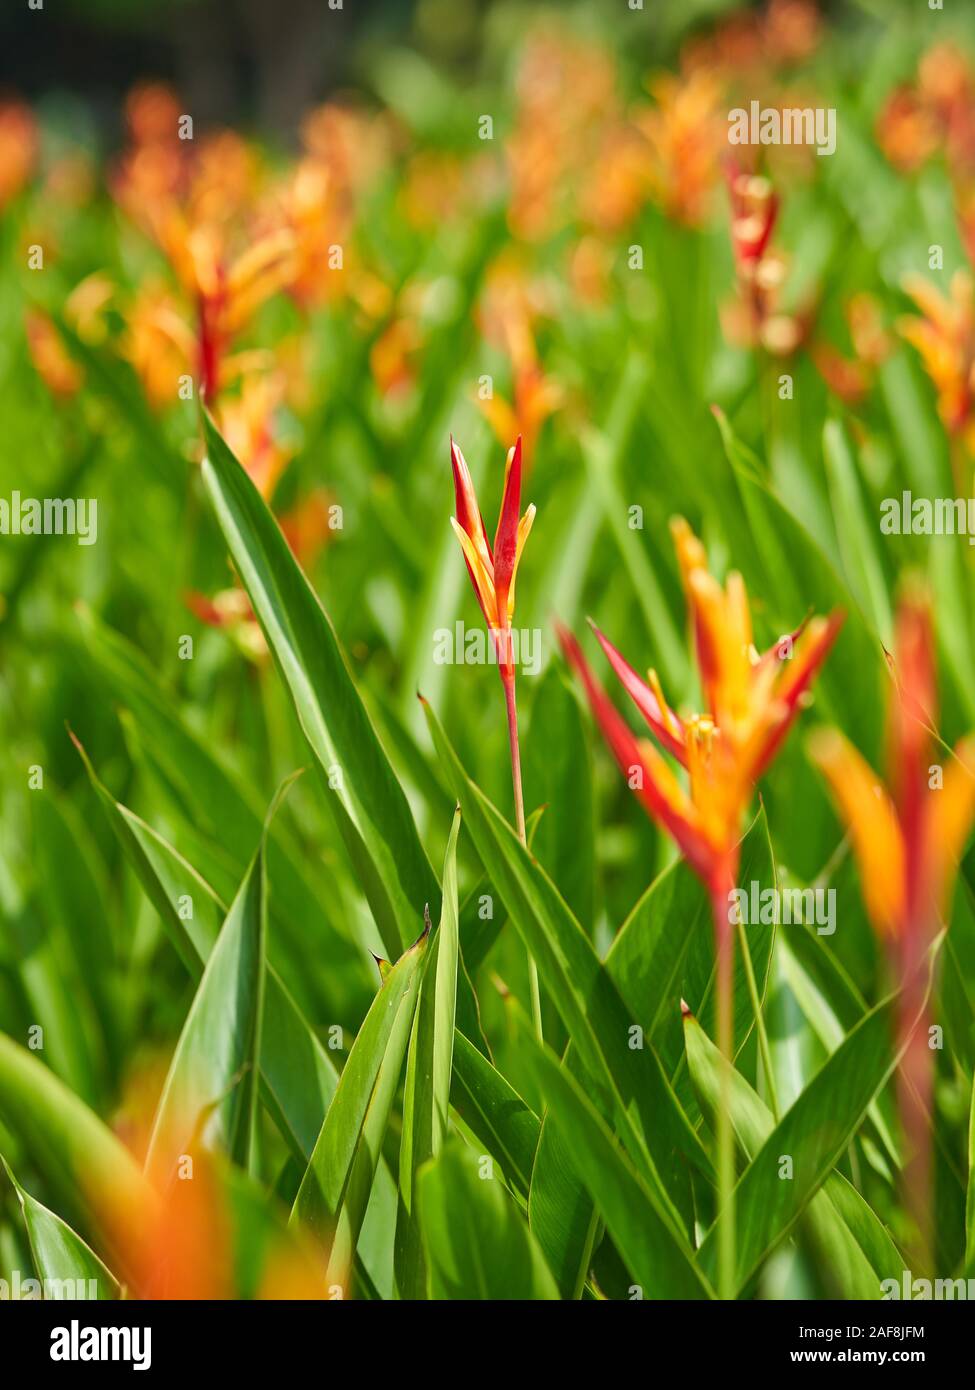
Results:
<point x="763" y="1043"/>
<point x="511" y="709"/>
<point x="724" y="947"/>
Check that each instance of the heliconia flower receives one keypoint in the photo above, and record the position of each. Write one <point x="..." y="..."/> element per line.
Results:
<point x="230" y="611"/>
<point x="51" y="359"/>
<point x="158" y="342"/>
<point x="19" y="144"/>
<point x="510" y="307"/>
<point x="754" y="318"/>
<point x="687" y="131"/>
<point x="566" y="95"/>
<point x="227" y="295"/>
<point x="196" y="200"/>
<point x="907" y="840"/>
<point x="493" y="571"/>
<point x="936" y="115"/>
<point x="309" y="526"/>
<point x="751" y="702"/>
<point x="393" y="356"/>
<point x="907" y="130"/>
<point x="751" y="45"/>
<point x="944" y="336"/>
<point x="754" y="213"/>
<point x="852" y="378"/>
<point x="246" y="421"/>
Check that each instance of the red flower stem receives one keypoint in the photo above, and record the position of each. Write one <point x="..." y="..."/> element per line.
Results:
<point x="508" y="681"/>
<point x="510" y="707"/>
<point x="724" y="943"/>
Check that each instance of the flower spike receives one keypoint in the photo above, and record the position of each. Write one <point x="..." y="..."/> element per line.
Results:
<point x="492" y="572"/>
<point x="751" y="702"/>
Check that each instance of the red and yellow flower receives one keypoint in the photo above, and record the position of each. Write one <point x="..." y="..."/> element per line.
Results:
<point x="751" y="702"/>
<point x="493" y="570"/>
<point x="907" y="840"/>
<point x="944" y="336"/>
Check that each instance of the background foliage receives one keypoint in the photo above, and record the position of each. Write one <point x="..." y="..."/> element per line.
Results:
<point x="463" y="258"/>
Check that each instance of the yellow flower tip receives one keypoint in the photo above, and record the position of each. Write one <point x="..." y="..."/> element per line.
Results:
<point x="915" y="593"/>
<point x="670" y="722"/>
<point x="680" y="530"/>
<point x="965" y="753"/>
<point x="703" y="588"/>
<point x="691" y="555"/>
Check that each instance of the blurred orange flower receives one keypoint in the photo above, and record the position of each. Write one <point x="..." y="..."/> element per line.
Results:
<point x="246" y="421"/>
<point x="944" y="335"/>
<point x="58" y="370"/>
<point x="687" y="131"/>
<point x="19" y="144"/>
<point x="754" y="318"/>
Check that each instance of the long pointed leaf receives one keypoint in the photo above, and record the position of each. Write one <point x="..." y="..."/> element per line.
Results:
<point x="210" y="1092"/>
<point x="369" y="804"/>
<point x="426" y="1098"/>
<point x="332" y="1197"/>
<point x="67" y="1267"/>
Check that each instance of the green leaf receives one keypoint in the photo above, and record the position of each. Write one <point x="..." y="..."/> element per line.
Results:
<point x="814" y="1132"/>
<point x="67" y="1267"/>
<point x="93" y="1176"/>
<point x="970" y="1200"/>
<point x="663" y="953"/>
<point x="855" y="533"/>
<point x="855" y="1251"/>
<point x="118" y="384"/>
<point x="477" y="1243"/>
<point x="334" y="1191"/>
<point x="298" y="1075"/>
<point x="227" y="822"/>
<point x="368" y="802"/>
<point x="426" y="1097"/>
<point x="831" y="1005"/>
<point x="210" y="1092"/>
<point x="659" y="1260"/>
<point x="602" y="464"/>
<point x="632" y="1084"/>
<point x="558" y="776"/>
<point x="494" y="1112"/>
<point x="788" y="567"/>
<point x="560" y="1209"/>
<point x="74" y="889"/>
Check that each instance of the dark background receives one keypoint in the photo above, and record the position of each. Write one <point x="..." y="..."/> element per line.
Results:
<point x="258" y="63"/>
<point x="261" y="64"/>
